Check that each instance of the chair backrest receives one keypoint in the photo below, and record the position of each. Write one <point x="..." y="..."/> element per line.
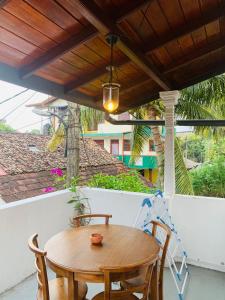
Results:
<point x="163" y="243"/>
<point x="42" y="277"/>
<point x="78" y="220"/>
<point x="121" y="274"/>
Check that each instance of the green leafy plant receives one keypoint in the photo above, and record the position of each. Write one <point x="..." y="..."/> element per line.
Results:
<point x="79" y="202"/>
<point x="209" y="180"/>
<point x="129" y="181"/>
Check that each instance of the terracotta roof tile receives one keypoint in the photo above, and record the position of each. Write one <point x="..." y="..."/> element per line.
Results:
<point x="28" y="171"/>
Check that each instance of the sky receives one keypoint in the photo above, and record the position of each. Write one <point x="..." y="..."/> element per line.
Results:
<point x="22" y="118"/>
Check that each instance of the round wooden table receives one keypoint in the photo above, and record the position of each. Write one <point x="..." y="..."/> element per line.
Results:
<point x="70" y="253"/>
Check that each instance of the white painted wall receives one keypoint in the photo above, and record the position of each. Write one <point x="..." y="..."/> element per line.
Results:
<point x="45" y="215"/>
<point x="110" y="128"/>
<point x="201" y="224"/>
<point x="199" y="220"/>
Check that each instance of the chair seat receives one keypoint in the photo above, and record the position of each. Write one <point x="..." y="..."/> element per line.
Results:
<point x="136" y="281"/>
<point x="100" y="296"/>
<point x="58" y="290"/>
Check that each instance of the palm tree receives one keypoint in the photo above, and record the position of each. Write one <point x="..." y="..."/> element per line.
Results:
<point x="201" y="101"/>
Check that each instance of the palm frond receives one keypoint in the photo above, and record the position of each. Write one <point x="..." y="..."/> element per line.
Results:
<point x="140" y="135"/>
<point x="90" y="118"/>
<point x="183" y="180"/>
<point x="57" y="139"/>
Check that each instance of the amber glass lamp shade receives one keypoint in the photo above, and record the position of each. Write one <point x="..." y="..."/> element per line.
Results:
<point x="111" y="93"/>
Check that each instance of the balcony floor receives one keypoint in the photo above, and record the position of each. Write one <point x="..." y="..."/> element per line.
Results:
<point x="204" y="284"/>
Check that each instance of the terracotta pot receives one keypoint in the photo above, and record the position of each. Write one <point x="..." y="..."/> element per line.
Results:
<point x="96" y="238"/>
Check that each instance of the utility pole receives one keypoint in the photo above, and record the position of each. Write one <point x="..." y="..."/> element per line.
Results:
<point x="73" y="141"/>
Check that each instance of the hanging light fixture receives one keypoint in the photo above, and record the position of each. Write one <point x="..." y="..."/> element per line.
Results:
<point x="111" y="89"/>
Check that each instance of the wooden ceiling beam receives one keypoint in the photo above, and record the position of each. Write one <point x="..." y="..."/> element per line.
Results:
<point x="99" y="19"/>
<point x="216" y="70"/>
<point x="191" y="26"/>
<point x="93" y="75"/>
<point x="135" y="5"/>
<point x="195" y="55"/>
<point x="74" y="41"/>
<point x="36" y="83"/>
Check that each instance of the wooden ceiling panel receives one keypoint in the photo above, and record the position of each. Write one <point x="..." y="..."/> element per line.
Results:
<point x="173" y="13"/>
<point x="25" y="31"/>
<point x="69" y="6"/>
<point x="199" y="37"/>
<point x="191" y="9"/>
<point x="11" y="56"/>
<point x="18" y="43"/>
<point x="170" y="42"/>
<point x="57" y="14"/>
<point x="54" y="74"/>
<point x="212" y="30"/>
<point x="157" y="19"/>
<point x="186" y="43"/>
<point x="32" y="17"/>
<point x="200" y="66"/>
<point x="174" y="49"/>
<point x="163" y="56"/>
<point x="140" y="25"/>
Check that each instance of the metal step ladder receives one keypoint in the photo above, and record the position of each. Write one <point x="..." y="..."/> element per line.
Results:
<point x="156" y="208"/>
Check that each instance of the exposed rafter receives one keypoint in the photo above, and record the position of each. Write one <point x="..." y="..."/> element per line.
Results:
<point x="196" y="54"/>
<point x="88" y="33"/>
<point x="39" y="84"/>
<point x="91" y="11"/>
<point x="185" y="60"/>
<point x="57" y="51"/>
<point x="134" y="5"/>
<point x="207" y="18"/>
<point x="92" y="76"/>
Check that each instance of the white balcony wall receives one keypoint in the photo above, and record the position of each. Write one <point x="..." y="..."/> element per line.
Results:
<point x="45" y="215"/>
<point x="200" y="221"/>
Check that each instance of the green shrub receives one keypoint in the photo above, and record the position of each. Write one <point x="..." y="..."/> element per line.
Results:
<point x="129" y="181"/>
<point x="209" y="180"/>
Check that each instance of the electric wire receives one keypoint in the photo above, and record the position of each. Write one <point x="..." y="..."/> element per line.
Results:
<point x="32" y="124"/>
<point x="12" y="97"/>
<point x="18" y="106"/>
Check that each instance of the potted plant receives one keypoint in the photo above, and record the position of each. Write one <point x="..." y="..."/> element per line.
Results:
<point x="78" y="200"/>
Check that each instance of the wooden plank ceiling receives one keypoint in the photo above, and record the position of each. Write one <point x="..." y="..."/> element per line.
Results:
<point x="59" y="47"/>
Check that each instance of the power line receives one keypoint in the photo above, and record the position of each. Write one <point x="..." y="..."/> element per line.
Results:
<point x="32" y="124"/>
<point x="14" y="96"/>
<point x="18" y="106"/>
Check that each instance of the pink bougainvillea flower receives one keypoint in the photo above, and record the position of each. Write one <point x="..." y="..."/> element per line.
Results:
<point x="49" y="189"/>
<point x="56" y="171"/>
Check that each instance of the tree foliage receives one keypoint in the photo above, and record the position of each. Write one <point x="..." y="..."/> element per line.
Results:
<point x="6" y="128"/>
<point x="130" y="182"/>
<point x="194" y="147"/>
<point x="209" y="179"/>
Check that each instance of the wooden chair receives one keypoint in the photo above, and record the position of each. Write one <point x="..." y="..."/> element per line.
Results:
<point x="164" y="247"/>
<point x="56" y="289"/>
<point x="110" y="275"/>
<point x="78" y="220"/>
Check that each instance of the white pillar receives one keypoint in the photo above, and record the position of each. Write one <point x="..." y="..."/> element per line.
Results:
<point x="170" y="100"/>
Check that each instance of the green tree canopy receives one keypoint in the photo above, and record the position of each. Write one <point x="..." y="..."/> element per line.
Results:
<point x="6" y="128"/>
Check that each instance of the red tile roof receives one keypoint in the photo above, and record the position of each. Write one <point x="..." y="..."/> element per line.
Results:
<point x="26" y="172"/>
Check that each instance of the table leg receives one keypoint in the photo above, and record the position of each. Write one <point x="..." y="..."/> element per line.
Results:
<point x="154" y="283"/>
<point x="72" y="288"/>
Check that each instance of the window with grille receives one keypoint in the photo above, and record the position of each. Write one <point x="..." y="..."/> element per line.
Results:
<point x="126" y="145"/>
<point x="151" y="145"/>
<point x="115" y="147"/>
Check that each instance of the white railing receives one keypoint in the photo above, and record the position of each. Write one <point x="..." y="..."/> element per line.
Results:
<point x="200" y="221"/>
